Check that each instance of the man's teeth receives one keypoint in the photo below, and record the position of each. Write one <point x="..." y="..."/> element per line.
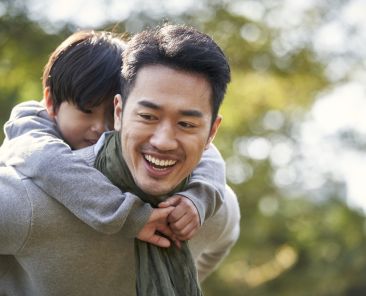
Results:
<point x="159" y="162"/>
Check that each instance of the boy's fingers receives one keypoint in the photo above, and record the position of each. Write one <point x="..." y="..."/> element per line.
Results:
<point x="188" y="236"/>
<point x="158" y="214"/>
<point x="177" y="214"/>
<point x="185" y="229"/>
<point x="185" y="207"/>
<point x="171" y="201"/>
<point x="159" y="241"/>
<point x="178" y="243"/>
<point x="188" y="232"/>
<point x="180" y="223"/>
<point x="181" y="215"/>
<point x="165" y="230"/>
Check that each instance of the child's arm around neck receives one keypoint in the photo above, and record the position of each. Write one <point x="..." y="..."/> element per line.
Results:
<point x="33" y="146"/>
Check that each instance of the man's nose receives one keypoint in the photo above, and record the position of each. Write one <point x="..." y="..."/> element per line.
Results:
<point x="164" y="138"/>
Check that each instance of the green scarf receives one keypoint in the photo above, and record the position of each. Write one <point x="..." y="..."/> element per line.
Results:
<point x="159" y="271"/>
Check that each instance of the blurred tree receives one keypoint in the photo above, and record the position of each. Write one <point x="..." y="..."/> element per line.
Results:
<point x="24" y="49"/>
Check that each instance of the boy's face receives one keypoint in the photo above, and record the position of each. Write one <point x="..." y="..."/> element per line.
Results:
<point x="165" y="126"/>
<point x="81" y="129"/>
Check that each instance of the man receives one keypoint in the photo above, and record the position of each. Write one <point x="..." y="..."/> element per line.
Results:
<point x="175" y="80"/>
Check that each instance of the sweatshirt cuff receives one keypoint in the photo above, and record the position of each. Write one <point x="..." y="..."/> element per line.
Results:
<point x="205" y="197"/>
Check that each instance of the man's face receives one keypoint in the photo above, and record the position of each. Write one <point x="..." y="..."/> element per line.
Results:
<point x="165" y="126"/>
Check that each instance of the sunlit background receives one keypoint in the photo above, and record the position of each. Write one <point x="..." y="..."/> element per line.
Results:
<point x="294" y="129"/>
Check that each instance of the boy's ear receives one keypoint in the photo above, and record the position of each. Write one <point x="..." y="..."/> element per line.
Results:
<point x="118" y="112"/>
<point x="213" y="131"/>
<point x="49" y="102"/>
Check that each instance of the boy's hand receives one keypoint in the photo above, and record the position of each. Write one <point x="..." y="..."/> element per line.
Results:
<point x="184" y="219"/>
<point x="157" y="223"/>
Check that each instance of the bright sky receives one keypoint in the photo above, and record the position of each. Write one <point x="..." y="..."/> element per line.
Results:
<point x="92" y="13"/>
<point x="343" y="107"/>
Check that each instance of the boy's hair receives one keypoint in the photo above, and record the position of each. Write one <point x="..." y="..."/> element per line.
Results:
<point x="182" y="48"/>
<point x="85" y="69"/>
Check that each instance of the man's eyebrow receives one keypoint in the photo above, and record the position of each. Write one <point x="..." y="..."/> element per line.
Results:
<point x="188" y="112"/>
<point x="149" y="104"/>
<point x="193" y="113"/>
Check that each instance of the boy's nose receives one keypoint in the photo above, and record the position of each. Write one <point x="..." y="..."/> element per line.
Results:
<point x="99" y="126"/>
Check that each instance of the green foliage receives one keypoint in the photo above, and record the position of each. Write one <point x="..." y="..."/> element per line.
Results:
<point x="251" y="94"/>
<point x="24" y="49"/>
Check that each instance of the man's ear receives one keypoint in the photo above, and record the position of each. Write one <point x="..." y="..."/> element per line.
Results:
<point x="118" y="112"/>
<point x="213" y="131"/>
<point x="49" y="102"/>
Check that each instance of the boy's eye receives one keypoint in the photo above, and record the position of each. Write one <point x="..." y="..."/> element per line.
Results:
<point x="87" y="111"/>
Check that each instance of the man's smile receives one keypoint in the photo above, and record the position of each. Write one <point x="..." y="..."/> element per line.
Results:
<point x="159" y="163"/>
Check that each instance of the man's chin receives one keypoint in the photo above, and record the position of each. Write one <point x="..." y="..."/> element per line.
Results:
<point x="154" y="190"/>
<point x="156" y="193"/>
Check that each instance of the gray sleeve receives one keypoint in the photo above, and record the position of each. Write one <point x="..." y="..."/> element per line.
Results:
<point x="206" y="188"/>
<point x="82" y="189"/>
<point x="15" y="213"/>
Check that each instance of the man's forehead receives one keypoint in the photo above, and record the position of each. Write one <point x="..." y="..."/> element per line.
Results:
<point x="159" y="86"/>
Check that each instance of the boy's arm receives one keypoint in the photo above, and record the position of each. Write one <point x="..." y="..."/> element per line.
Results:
<point x="206" y="187"/>
<point x="66" y="177"/>
<point x="33" y="146"/>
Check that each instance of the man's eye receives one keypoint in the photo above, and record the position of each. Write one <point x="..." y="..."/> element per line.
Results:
<point x="147" y="116"/>
<point x="186" y="124"/>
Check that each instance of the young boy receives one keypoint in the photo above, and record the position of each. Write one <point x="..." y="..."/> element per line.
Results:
<point x="79" y="82"/>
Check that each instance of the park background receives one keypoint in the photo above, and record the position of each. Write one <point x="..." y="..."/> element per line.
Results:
<point x="294" y="129"/>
